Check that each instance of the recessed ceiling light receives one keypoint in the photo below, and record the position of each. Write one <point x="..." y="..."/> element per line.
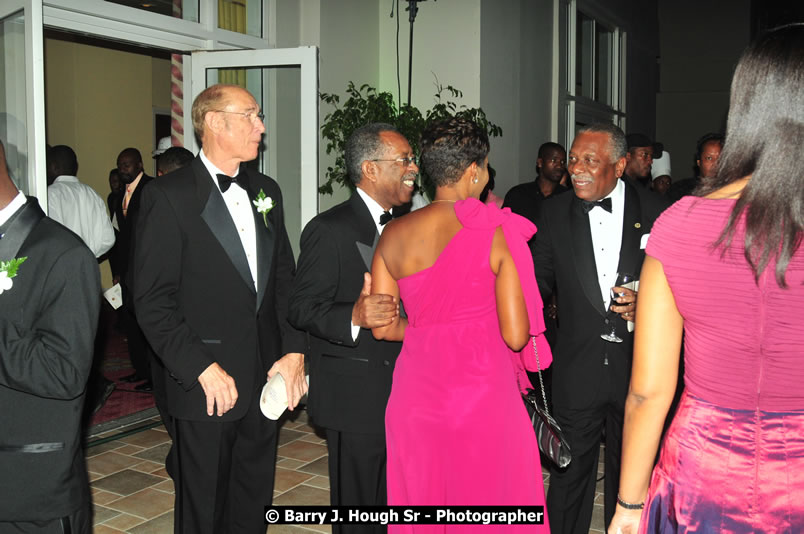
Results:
<point x="147" y="5"/>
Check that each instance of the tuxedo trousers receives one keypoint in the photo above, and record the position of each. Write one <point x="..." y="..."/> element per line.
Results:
<point x="571" y="495"/>
<point x="139" y="351"/>
<point x="224" y="473"/>
<point x="357" y="475"/>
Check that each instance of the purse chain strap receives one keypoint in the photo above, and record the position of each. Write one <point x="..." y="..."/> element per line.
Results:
<point x="539" y="368"/>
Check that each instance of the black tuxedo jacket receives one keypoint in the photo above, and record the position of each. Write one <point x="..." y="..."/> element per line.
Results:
<point x="563" y="259"/>
<point x="127" y="223"/>
<point x="47" y="331"/>
<point x="193" y="292"/>
<point x="350" y="381"/>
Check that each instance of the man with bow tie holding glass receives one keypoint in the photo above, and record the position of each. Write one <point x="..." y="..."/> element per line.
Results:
<point x="213" y="266"/>
<point x="350" y="371"/>
<point x="584" y="240"/>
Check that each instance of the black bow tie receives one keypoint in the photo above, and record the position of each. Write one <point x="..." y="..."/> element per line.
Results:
<point x="589" y="206"/>
<point x="385" y="217"/>
<point x="225" y="181"/>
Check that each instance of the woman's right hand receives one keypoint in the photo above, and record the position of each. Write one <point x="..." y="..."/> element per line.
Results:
<point x="625" y="521"/>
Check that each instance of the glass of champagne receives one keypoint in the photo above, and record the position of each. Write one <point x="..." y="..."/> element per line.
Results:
<point x="609" y="329"/>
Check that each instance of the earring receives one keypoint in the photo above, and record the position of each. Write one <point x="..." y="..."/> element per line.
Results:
<point x="475" y="180"/>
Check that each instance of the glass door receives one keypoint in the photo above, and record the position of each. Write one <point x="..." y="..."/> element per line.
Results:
<point x="22" y="98"/>
<point x="285" y="84"/>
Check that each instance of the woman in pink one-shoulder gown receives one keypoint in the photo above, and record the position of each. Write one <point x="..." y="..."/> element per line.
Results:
<point x="457" y="430"/>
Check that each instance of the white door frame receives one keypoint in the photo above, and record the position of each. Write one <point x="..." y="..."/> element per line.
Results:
<point x="113" y="21"/>
<point x="35" y="89"/>
<point x="304" y="57"/>
<point x="106" y="20"/>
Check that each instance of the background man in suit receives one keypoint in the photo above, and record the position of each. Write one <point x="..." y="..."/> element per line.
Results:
<point x="49" y="303"/>
<point x="114" y="199"/>
<point x="129" y="168"/>
<point x="211" y="280"/>
<point x="584" y="240"/>
<point x="350" y="371"/>
<point x="639" y="159"/>
<point x="526" y="199"/>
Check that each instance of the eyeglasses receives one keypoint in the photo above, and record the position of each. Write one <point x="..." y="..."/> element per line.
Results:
<point x="407" y="162"/>
<point x="250" y="115"/>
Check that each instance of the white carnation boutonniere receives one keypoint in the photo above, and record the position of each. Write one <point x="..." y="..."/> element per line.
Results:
<point x="264" y="204"/>
<point x="8" y="270"/>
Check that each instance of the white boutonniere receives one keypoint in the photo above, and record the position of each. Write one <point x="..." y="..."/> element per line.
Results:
<point x="264" y="205"/>
<point x="8" y="270"/>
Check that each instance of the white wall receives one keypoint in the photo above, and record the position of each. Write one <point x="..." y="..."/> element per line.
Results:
<point x="348" y="52"/>
<point x="516" y="85"/>
<point x="536" y="86"/>
<point x="446" y="46"/>
<point x="500" y="86"/>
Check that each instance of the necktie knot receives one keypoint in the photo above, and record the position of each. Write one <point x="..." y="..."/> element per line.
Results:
<point x="225" y="181"/>
<point x="589" y="206"/>
<point x="385" y="217"/>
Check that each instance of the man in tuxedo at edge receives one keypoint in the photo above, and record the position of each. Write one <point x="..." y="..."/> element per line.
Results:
<point x="584" y="240"/>
<point x="212" y="272"/>
<point x="48" y="316"/>
<point x="350" y="371"/>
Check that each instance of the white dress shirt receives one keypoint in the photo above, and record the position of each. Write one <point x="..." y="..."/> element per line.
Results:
<point x="242" y="212"/>
<point x="16" y="203"/>
<point x="607" y="236"/>
<point x="374" y="208"/>
<point x="78" y="207"/>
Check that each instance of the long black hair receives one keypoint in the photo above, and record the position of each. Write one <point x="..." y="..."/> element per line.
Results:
<point x="764" y="137"/>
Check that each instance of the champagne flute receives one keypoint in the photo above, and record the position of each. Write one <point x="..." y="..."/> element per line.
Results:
<point x="609" y="329"/>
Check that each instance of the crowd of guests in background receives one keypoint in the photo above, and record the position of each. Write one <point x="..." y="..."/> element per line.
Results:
<point x="421" y="332"/>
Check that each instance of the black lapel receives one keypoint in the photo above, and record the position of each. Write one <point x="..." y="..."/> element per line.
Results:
<point x="16" y="230"/>
<point x="632" y="233"/>
<point x="584" y="256"/>
<point x="265" y="232"/>
<point x="368" y="237"/>
<point x="217" y="217"/>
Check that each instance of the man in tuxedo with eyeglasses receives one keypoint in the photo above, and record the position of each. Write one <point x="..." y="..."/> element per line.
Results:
<point x="350" y="371"/>
<point x="212" y="271"/>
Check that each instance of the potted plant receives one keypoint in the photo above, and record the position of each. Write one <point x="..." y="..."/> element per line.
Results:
<point x="365" y="105"/>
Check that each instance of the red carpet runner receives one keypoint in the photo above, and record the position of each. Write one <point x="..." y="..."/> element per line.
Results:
<point x="116" y="364"/>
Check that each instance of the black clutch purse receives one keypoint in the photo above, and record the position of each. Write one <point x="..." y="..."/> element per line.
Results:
<point x="551" y="440"/>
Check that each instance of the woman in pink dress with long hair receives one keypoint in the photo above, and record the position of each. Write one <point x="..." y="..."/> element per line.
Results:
<point x="457" y="431"/>
<point x="726" y="266"/>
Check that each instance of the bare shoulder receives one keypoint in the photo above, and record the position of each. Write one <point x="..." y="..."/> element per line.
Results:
<point x="731" y="190"/>
<point x="410" y="222"/>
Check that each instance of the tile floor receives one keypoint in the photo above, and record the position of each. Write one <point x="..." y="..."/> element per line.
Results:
<point x="133" y="494"/>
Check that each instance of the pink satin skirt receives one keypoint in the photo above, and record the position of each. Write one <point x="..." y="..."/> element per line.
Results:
<point x="724" y="470"/>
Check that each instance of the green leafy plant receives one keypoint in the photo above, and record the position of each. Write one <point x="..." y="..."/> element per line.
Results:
<point x="365" y="105"/>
